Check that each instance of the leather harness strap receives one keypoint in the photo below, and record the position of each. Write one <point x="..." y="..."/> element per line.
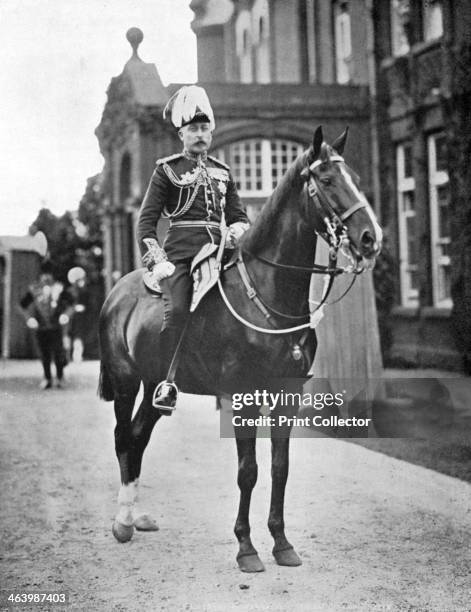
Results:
<point x="251" y="291"/>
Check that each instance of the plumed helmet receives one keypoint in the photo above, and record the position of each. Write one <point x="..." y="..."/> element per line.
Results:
<point x="75" y="274"/>
<point x="188" y="105"/>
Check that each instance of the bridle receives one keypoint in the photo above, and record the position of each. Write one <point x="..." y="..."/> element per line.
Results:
<point x="335" y="233"/>
<point x="336" y="236"/>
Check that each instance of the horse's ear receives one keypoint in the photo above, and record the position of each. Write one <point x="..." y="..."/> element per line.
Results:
<point x="339" y="143"/>
<point x="324" y="155"/>
<point x="317" y="141"/>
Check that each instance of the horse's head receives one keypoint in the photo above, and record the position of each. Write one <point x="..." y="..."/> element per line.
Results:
<point x="335" y="205"/>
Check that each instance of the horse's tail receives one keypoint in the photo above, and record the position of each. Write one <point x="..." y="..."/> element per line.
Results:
<point x="105" y="387"/>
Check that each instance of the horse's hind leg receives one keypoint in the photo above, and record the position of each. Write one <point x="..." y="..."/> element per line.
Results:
<point x="123" y="405"/>
<point x="283" y="552"/>
<point x="247" y="557"/>
<point x="141" y="430"/>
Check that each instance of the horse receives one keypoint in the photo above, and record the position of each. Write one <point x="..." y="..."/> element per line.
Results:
<point x="237" y="339"/>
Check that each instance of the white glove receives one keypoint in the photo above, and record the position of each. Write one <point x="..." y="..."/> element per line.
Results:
<point x="63" y="319"/>
<point x="235" y="233"/>
<point x="164" y="269"/>
<point x="31" y="323"/>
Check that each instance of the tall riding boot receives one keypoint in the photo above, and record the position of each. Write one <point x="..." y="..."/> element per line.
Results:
<point x="165" y="394"/>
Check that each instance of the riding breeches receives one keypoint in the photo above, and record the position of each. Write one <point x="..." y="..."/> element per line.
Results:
<point x="177" y="292"/>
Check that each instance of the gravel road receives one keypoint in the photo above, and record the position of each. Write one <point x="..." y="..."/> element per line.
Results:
<point x="374" y="533"/>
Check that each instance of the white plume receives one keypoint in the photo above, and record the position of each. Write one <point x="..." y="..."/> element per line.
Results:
<point x="184" y="104"/>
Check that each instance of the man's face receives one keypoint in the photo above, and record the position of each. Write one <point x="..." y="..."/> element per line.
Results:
<point x="196" y="137"/>
<point x="45" y="278"/>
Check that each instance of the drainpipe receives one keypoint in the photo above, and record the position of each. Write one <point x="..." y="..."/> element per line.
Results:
<point x="371" y="60"/>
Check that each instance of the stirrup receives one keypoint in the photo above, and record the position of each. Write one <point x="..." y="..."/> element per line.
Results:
<point x="165" y="397"/>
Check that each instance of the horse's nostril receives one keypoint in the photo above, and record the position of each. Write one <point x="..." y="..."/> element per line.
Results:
<point x="367" y="239"/>
<point x="368" y="243"/>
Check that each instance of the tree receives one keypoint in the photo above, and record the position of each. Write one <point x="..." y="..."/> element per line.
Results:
<point x="75" y="238"/>
<point x="89" y="218"/>
<point x="62" y="239"/>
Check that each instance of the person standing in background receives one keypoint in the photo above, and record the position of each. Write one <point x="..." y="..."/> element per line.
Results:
<point x="48" y="308"/>
<point x="78" y="325"/>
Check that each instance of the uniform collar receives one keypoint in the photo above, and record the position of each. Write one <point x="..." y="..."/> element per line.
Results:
<point x="195" y="158"/>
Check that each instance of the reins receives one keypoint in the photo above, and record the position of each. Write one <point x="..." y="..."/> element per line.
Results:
<point x="335" y="239"/>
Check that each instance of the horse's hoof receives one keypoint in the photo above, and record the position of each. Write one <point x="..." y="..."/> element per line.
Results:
<point x="250" y="563"/>
<point x="287" y="556"/>
<point x="145" y="523"/>
<point x="123" y="533"/>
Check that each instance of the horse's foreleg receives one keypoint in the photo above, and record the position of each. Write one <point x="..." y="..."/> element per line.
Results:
<point x="123" y="524"/>
<point x="247" y="557"/>
<point x="141" y="430"/>
<point x="282" y="551"/>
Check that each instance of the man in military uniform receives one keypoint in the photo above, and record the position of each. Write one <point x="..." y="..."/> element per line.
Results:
<point x="196" y="191"/>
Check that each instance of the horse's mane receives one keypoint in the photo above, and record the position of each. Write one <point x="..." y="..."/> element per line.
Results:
<point x="289" y="186"/>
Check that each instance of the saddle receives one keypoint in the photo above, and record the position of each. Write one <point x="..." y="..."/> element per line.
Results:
<point x="205" y="269"/>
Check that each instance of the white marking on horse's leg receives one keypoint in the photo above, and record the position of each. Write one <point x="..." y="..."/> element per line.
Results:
<point x="126" y="499"/>
<point x="138" y="511"/>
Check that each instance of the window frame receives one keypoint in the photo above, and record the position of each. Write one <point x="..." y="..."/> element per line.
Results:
<point x="405" y="185"/>
<point x="399" y="42"/>
<point x="272" y="166"/>
<point x="428" y="33"/>
<point x="244" y="46"/>
<point x="439" y="260"/>
<point x="261" y="41"/>
<point x="343" y="62"/>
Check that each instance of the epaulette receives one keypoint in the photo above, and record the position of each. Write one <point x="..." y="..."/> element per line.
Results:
<point x="165" y="160"/>
<point x="219" y="162"/>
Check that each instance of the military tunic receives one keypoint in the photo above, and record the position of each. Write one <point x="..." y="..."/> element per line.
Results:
<point x="195" y="192"/>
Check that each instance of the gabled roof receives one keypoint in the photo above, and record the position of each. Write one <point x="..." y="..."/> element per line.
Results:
<point x="146" y="84"/>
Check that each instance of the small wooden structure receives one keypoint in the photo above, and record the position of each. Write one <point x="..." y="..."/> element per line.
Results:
<point x="348" y="356"/>
<point x="20" y="260"/>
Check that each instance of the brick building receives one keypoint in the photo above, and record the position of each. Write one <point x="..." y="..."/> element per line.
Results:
<point x="393" y="70"/>
<point x="419" y="48"/>
<point x="269" y="85"/>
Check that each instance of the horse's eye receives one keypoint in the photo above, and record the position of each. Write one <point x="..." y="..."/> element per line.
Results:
<point x="326" y="180"/>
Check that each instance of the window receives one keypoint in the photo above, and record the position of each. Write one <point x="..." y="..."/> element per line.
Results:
<point x="343" y="41"/>
<point x="257" y="165"/>
<point x="283" y="154"/>
<point x="243" y="29"/>
<point x="125" y="179"/>
<point x="245" y="160"/>
<point x="399" y="14"/>
<point x="408" y="253"/>
<point x="439" y="220"/>
<point x="308" y="41"/>
<point x="261" y="42"/>
<point x="432" y="19"/>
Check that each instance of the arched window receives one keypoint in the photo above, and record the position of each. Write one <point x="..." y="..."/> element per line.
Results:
<point x="257" y="165"/>
<point x="261" y="32"/>
<point x="343" y="41"/>
<point x="244" y="46"/>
